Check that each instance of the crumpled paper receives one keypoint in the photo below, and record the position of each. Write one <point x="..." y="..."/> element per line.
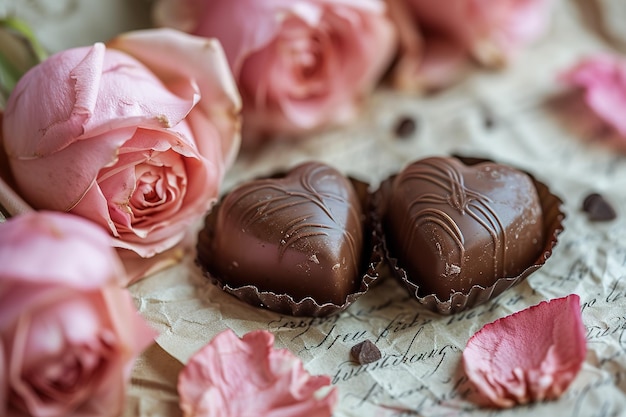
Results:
<point x="521" y="117"/>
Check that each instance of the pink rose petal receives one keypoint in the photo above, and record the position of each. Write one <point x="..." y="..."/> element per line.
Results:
<point x="532" y="355"/>
<point x="603" y="79"/>
<point x="244" y="377"/>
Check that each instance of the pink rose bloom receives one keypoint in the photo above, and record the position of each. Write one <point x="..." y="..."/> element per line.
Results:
<point x="68" y="333"/>
<point x="135" y="136"/>
<point x="299" y="65"/>
<point x="438" y="37"/>
<point x="602" y="79"/>
<point x="532" y="355"/>
<point x="233" y="377"/>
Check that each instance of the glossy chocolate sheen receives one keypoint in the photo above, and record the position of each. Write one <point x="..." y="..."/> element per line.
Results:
<point x="453" y="226"/>
<point x="301" y="235"/>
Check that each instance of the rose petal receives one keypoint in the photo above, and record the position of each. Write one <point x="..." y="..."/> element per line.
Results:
<point x="188" y="181"/>
<point x="603" y="79"/>
<point x="83" y="100"/>
<point x="235" y="377"/>
<point x="42" y="233"/>
<point x="531" y="355"/>
<point x="54" y="128"/>
<point x="162" y="51"/>
<point x="80" y="166"/>
<point x="51" y="354"/>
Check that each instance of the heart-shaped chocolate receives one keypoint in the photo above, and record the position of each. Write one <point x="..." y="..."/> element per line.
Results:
<point x="300" y="234"/>
<point x="453" y="226"/>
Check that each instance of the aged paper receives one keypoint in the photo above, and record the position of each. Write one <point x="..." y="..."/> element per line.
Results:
<point x="520" y="116"/>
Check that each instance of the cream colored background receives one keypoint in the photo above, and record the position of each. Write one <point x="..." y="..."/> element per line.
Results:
<point x="538" y="126"/>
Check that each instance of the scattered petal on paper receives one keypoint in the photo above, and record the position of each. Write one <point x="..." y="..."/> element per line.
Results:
<point x="233" y="377"/>
<point x="602" y="77"/>
<point x="531" y="355"/>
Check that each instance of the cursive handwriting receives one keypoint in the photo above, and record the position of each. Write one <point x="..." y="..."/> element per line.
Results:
<point x="402" y="322"/>
<point x="333" y="337"/>
<point x="421" y="397"/>
<point x="434" y="357"/>
<point x="301" y="325"/>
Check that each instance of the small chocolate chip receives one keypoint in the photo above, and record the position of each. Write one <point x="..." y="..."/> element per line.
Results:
<point x="489" y="121"/>
<point x="405" y="127"/>
<point x="597" y="208"/>
<point x="365" y="352"/>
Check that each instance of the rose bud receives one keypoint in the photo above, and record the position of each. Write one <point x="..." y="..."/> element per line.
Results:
<point x="69" y="334"/>
<point x="299" y="65"/>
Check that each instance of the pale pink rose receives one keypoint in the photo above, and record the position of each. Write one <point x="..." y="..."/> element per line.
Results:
<point x="532" y="355"/>
<point x="135" y="135"/>
<point x="438" y="37"/>
<point x="69" y="334"/>
<point x="602" y="78"/>
<point x="299" y="65"/>
<point x="233" y="377"/>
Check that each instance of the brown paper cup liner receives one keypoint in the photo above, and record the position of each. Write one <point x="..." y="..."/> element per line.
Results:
<point x="284" y="303"/>
<point x="553" y="226"/>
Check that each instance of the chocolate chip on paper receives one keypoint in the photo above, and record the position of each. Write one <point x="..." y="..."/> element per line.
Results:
<point x="365" y="352"/>
<point x="405" y="127"/>
<point x="598" y="208"/>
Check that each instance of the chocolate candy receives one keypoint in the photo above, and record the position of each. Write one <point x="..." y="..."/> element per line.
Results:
<point x="300" y="234"/>
<point x="453" y="226"/>
<point x="597" y="208"/>
<point x="405" y="127"/>
<point x="365" y="352"/>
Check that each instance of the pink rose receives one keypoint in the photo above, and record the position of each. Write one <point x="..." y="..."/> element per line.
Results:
<point x="299" y="65"/>
<point x="438" y="37"/>
<point x="135" y="136"/>
<point x="602" y="78"/>
<point x="233" y="377"/>
<point x="68" y="333"/>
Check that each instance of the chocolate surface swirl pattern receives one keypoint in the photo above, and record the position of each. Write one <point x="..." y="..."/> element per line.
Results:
<point x="299" y="234"/>
<point x="447" y="177"/>
<point x="453" y="226"/>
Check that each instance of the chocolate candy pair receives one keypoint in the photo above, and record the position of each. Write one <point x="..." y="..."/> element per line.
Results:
<point x="312" y="241"/>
